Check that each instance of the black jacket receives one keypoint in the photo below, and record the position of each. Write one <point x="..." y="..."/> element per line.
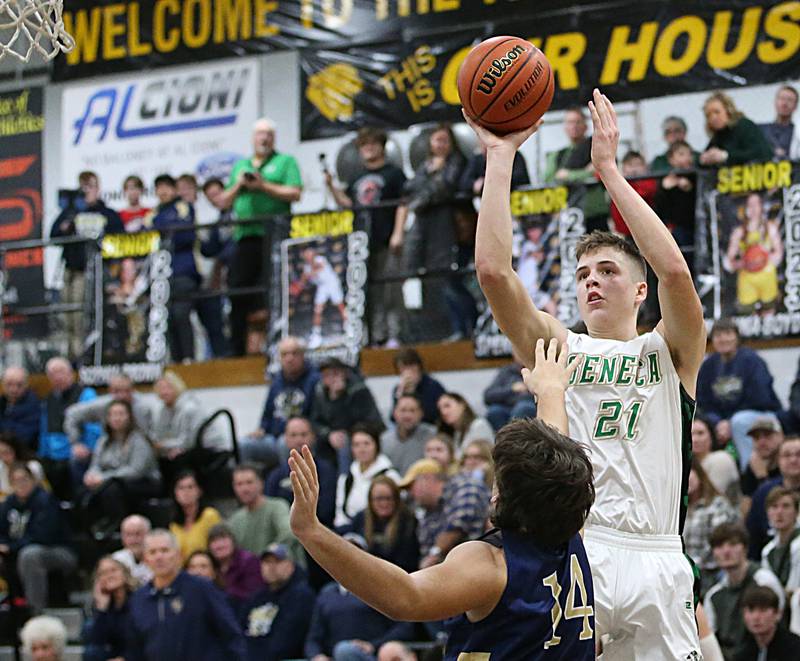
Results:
<point x="785" y="646"/>
<point x="38" y="520"/>
<point x="92" y="222"/>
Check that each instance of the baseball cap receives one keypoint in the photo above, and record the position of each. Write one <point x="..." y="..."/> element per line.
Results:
<point x="765" y="423"/>
<point x="279" y="551"/>
<point x="421" y="467"/>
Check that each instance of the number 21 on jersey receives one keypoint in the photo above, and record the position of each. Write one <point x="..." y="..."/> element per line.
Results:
<point x="615" y="420"/>
<point x="577" y="589"/>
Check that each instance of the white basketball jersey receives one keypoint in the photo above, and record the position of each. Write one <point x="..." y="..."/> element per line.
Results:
<point x="627" y="403"/>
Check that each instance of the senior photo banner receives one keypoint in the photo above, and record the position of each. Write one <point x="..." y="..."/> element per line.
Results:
<point x="323" y="283"/>
<point x="657" y="50"/>
<point x="21" y="126"/>
<point x="131" y="309"/>
<point x="547" y="225"/>
<point x="748" y="247"/>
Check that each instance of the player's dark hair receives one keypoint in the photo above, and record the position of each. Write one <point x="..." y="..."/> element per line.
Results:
<point x="724" y="325"/>
<point x="214" y="181"/>
<point x="134" y="179"/>
<point x="598" y="239"/>
<point x="776" y="493"/>
<point x="544" y="482"/>
<point x="761" y="597"/>
<point x="735" y="533"/>
<point x="370" y="134"/>
<point x="167" y="179"/>
<point x="407" y="357"/>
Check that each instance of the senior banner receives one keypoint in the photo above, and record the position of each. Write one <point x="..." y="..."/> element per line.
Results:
<point x="21" y="125"/>
<point x="633" y="50"/>
<point x="547" y="225"/>
<point x="323" y="284"/>
<point x="748" y="247"/>
<point x="131" y="309"/>
<point x="184" y="120"/>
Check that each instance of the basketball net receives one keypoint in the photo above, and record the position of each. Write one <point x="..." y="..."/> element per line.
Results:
<point x="28" y="26"/>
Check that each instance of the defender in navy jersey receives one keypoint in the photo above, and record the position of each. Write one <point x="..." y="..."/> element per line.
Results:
<point x="523" y="592"/>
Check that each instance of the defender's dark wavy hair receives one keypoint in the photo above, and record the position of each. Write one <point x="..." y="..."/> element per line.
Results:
<point x="544" y="482"/>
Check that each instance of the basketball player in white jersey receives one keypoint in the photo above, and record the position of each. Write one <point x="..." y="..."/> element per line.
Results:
<point x="631" y="398"/>
<point x="318" y="270"/>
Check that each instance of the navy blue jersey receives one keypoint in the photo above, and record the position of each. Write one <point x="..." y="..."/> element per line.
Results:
<point x="546" y="611"/>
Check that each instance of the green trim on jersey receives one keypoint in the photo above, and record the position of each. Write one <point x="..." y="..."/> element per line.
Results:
<point x="687" y="415"/>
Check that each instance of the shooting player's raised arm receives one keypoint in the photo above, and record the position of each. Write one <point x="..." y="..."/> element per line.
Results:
<point x="511" y="304"/>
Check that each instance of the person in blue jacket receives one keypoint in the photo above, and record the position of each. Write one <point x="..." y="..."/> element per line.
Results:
<point x="177" y="615"/>
<point x="20" y="408"/>
<point x="734" y="388"/>
<point x="276" y="620"/>
<point x="172" y="211"/>
<point x="105" y="631"/>
<point x="55" y="448"/>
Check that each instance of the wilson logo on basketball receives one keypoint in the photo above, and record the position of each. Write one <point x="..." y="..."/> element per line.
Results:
<point x="498" y="68"/>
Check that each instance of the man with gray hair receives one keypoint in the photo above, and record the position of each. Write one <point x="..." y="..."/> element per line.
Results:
<point x="674" y="130"/>
<point x="262" y="185"/>
<point x="177" y="615"/>
<point x="20" y="408"/>
<point x="133" y="531"/>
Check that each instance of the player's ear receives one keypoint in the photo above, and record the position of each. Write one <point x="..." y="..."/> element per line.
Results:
<point x="641" y="292"/>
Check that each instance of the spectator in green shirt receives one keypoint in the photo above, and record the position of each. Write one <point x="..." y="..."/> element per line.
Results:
<point x="263" y="185"/>
<point x="734" y="138"/>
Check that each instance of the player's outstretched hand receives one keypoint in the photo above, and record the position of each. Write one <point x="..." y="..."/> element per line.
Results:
<point x="305" y="486"/>
<point x="493" y="141"/>
<point x="605" y="132"/>
<point x="550" y="372"/>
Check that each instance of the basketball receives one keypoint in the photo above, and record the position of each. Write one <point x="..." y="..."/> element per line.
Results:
<point x="755" y="259"/>
<point x="505" y="84"/>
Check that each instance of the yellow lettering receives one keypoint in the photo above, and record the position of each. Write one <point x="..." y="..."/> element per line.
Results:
<point x="307" y="13"/>
<point x="564" y="51"/>
<point x="112" y="29"/>
<point x="784" y="179"/>
<point x="165" y="40"/>
<point x="446" y="5"/>
<point x="135" y="46"/>
<point x="330" y="223"/>
<point x="425" y="59"/>
<point x="717" y="56"/>
<point x="695" y="29"/>
<point x="448" y="89"/>
<point x="621" y="50"/>
<point x="755" y="176"/>
<point x="85" y="30"/>
<point x="723" y="180"/>
<point x="333" y="19"/>
<point x="196" y="33"/>
<point x="232" y="20"/>
<point x="781" y="24"/>
<point x="262" y="27"/>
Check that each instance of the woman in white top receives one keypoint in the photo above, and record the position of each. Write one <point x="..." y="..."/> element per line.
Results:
<point x="718" y="464"/>
<point x="457" y="418"/>
<point x="352" y="489"/>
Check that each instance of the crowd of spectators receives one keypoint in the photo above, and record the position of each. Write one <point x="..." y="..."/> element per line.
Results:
<point x="423" y="222"/>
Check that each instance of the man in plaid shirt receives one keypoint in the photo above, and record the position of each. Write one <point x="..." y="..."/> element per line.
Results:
<point x="452" y="510"/>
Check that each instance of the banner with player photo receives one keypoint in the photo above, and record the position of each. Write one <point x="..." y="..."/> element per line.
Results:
<point x="748" y="247"/>
<point x="547" y="225"/>
<point x="323" y="284"/>
<point x="21" y="126"/>
<point x="131" y="309"/>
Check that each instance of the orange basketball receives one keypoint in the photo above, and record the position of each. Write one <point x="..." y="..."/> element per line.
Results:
<point x="505" y="84"/>
<point x="755" y="258"/>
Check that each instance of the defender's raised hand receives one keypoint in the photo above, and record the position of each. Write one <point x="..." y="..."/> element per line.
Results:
<point x="305" y="486"/>
<point x="551" y="372"/>
<point x="605" y="131"/>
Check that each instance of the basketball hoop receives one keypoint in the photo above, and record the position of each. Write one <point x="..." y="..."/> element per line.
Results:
<point x="33" y="25"/>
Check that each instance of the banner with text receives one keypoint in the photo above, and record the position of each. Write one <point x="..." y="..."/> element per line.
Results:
<point x="748" y="247"/>
<point x="21" y="126"/>
<point x="131" y="309"/>
<point x="656" y="50"/>
<point x="547" y="225"/>
<point x="183" y="120"/>
<point x="323" y="284"/>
